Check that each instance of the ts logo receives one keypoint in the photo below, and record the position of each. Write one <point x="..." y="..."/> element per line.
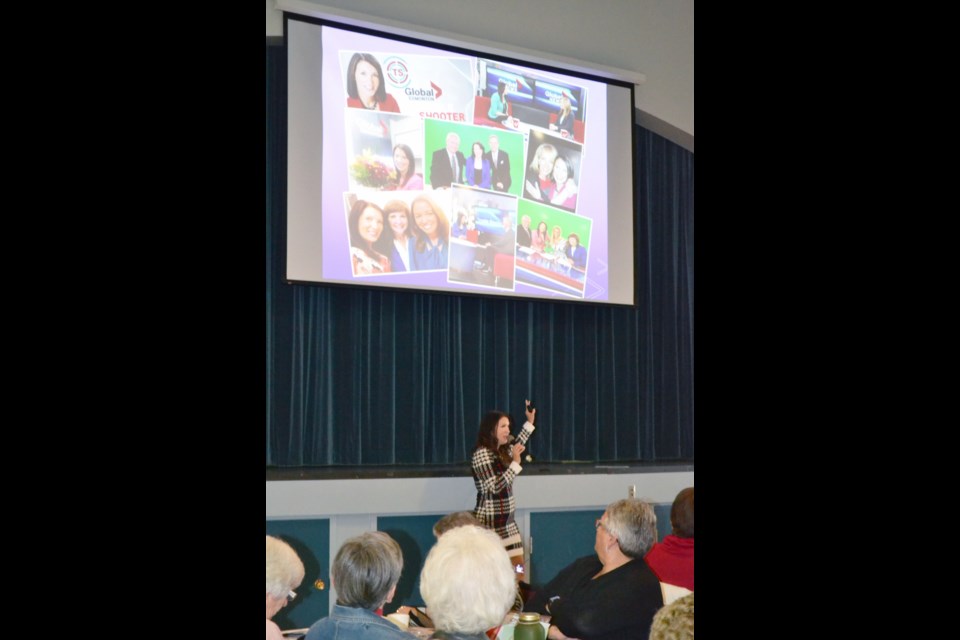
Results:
<point x="396" y="71"/>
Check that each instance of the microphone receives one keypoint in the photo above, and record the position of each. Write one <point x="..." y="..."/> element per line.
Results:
<point x="511" y="440"/>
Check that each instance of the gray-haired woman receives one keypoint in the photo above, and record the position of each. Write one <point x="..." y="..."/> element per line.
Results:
<point x="365" y="573"/>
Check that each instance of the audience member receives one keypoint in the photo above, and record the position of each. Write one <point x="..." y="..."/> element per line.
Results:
<point x="406" y="168"/>
<point x="284" y="574"/>
<point x="467" y="583"/>
<point x="478" y="167"/>
<point x="365" y="573"/>
<point x="365" y="225"/>
<point x="610" y="595"/>
<point x="446" y="165"/>
<point x="674" y="621"/>
<point x="499" y="165"/>
<point x="365" y="85"/>
<point x="454" y="520"/>
<point x="443" y="525"/>
<point x="672" y="559"/>
<point x="433" y="229"/>
<point x="539" y="179"/>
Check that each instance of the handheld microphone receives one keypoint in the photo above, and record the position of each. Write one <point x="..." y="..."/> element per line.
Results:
<point x="511" y="440"/>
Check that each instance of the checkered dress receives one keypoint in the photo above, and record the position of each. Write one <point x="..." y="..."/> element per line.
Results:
<point x="495" y="504"/>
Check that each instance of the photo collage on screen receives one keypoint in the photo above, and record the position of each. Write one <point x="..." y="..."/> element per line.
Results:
<point x="467" y="166"/>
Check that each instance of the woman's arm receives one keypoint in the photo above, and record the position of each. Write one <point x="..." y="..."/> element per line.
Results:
<point x="490" y="482"/>
<point x="533" y="188"/>
<point x="528" y="427"/>
<point x="469" y="171"/>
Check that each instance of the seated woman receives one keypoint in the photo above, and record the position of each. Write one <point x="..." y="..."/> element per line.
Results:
<point x="557" y="242"/>
<point x="575" y="254"/>
<point x="672" y="559"/>
<point x="467" y="583"/>
<point x="610" y="595"/>
<point x="459" y="230"/>
<point x="405" y="166"/>
<point x="674" y="621"/>
<point x="538" y="239"/>
<point x="365" y="225"/>
<point x="431" y="248"/>
<point x="478" y="168"/>
<point x="498" y="104"/>
<point x="365" y="573"/>
<point x="365" y="85"/>
<point x="564" y="190"/>
<point x="284" y="574"/>
<point x="399" y="240"/>
<point x="565" y="118"/>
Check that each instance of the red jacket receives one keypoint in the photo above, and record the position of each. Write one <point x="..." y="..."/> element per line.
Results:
<point x="672" y="561"/>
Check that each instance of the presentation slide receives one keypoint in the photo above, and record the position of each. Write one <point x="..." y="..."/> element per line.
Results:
<point x="416" y="167"/>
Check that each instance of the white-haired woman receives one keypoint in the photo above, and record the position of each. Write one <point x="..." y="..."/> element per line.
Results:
<point x="284" y="574"/>
<point x="365" y="573"/>
<point x="612" y="594"/>
<point x="467" y="583"/>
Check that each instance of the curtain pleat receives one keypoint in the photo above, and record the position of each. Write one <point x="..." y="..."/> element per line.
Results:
<point x="370" y="377"/>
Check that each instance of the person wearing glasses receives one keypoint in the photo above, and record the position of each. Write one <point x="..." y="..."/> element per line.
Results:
<point x="365" y="573"/>
<point x="284" y="574"/>
<point x="610" y="595"/>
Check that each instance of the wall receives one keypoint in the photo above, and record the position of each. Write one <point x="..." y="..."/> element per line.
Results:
<point x="650" y="37"/>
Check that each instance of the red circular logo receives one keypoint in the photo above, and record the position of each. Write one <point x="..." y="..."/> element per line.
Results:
<point x="396" y="71"/>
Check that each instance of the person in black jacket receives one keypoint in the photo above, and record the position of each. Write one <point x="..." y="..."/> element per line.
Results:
<point x="499" y="165"/>
<point x="447" y="164"/>
<point x="612" y="595"/>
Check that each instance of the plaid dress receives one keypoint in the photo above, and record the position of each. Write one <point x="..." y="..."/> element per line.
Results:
<point x="495" y="504"/>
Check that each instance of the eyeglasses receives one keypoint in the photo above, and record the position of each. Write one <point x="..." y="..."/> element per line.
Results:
<point x="290" y="596"/>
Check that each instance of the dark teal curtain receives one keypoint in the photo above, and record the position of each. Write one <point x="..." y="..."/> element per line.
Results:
<point x="362" y="377"/>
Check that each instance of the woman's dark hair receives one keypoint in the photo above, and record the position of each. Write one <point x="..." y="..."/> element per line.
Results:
<point x="487" y="434"/>
<point x="478" y="144"/>
<point x="546" y="228"/>
<point x="355" y="240"/>
<point x="681" y="514"/>
<point x="573" y="235"/>
<point x="381" y="93"/>
<point x="411" y="168"/>
<point x="567" y="162"/>
<point x="501" y="88"/>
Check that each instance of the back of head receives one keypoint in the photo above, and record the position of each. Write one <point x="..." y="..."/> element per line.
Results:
<point x="634" y="524"/>
<point x="284" y="568"/>
<point x="454" y="520"/>
<point x="674" y="621"/>
<point x="467" y="581"/>
<point x="681" y="514"/>
<point x="365" y="570"/>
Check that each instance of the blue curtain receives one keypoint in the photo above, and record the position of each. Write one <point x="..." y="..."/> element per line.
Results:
<point x="361" y="377"/>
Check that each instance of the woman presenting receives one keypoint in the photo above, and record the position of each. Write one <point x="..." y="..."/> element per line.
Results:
<point x="496" y="463"/>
